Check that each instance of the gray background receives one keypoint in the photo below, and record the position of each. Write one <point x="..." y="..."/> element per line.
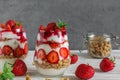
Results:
<point x="82" y="16"/>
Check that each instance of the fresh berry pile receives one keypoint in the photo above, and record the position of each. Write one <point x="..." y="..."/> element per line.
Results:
<point x="86" y="71"/>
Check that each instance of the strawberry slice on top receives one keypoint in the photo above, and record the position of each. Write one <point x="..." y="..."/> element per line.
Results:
<point x="12" y="23"/>
<point x="64" y="52"/>
<point x="42" y="27"/>
<point x="53" y="57"/>
<point x="5" y="26"/>
<point x="41" y="54"/>
<point x="7" y="50"/>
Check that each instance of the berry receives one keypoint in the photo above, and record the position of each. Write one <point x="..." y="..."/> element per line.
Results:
<point x="19" y="68"/>
<point x="42" y="27"/>
<point x="107" y="64"/>
<point x="84" y="71"/>
<point x="74" y="58"/>
<point x="0" y="51"/>
<point x="41" y="54"/>
<point x="7" y="50"/>
<point x="6" y="27"/>
<point x="53" y="44"/>
<point x="51" y="26"/>
<point x="12" y="23"/>
<point x="18" y="52"/>
<point x="18" y="26"/>
<point x="64" y="52"/>
<point x="53" y="57"/>
<point x="26" y="48"/>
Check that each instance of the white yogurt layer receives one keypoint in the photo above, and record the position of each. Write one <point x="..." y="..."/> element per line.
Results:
<point x="13" y="43"/>
<point x="57" y="38"/>
<point x="10" y="35"/>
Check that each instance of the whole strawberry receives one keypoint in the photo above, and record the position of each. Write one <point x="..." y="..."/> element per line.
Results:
<point x="74" y="58"/>
<point x="107" y="64"/>
<point x="84" y="71"/>
<point x="19" y="68"/>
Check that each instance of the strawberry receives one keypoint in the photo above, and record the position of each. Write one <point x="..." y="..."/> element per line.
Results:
<point x="42" y="27"/>
<point x="64" y="52"/>
<point x="74" y="58"/>
<point x="26" y="48"/>
<point x="107" y="64"/>
<point x="53" y="57"/>
<point x="84" y="71"/>
<point x="41" y="54"/>
<point x="7" y="50"/>
<point x="6" y="27"/>
<point x="51" y="26"/>
<point x="53" y="45"/>
<point x="0" y="51"/>
<point x="18" y="26"/>
<point x="19" y="68"/>
<point x="12" y="23"/>
<point x="18" y="52"/>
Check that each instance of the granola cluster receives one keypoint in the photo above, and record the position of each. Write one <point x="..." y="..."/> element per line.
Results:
<point x="99" y="47"/>
<point x="61" y="64"/>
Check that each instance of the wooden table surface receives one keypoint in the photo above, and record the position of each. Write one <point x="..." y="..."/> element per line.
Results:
<point x="83" y="58"/>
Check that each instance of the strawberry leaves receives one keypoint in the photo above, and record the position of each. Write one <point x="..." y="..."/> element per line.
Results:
<point x="7" y="74"/>
<point x="61" y="24"/>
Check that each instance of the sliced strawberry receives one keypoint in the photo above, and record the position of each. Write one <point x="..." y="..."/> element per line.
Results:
<point x="41" y="54"/>
<point x="64" y="52"/>
<point x="18" y="52"/>
<point x="2" y="25"/>
<point x="6" y="27"/>
<point x="53" y="45"/>
<point x="42" y="27"/>
<point x="26" y="48"/>
<point x="7" y="50"/>
<point x="53" y="57"/>
<point x="12" y="23"/>
<point x="0" y="51"/>
<point x="51" y="26"/>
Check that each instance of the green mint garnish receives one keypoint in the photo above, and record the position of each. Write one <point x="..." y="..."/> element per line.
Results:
<point x="61" y="24"/>
<point x="7" y="74"/>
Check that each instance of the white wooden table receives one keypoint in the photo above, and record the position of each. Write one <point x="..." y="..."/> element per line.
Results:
<point x="83" y="58"/>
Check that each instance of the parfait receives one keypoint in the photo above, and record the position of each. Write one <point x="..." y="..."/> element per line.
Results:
<point x="13" y="42"/>
<point x="52" y="55"/>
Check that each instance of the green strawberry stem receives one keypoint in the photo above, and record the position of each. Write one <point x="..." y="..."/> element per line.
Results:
<point x="113" y="59"/>
<point x="61" y="24"/>
<point x="7" y="74"/>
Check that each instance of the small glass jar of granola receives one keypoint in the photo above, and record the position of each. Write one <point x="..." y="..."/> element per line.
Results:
<point x="99" y="45"/>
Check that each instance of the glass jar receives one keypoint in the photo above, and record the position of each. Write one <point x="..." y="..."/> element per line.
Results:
<point x="52" y="55"/>
<point x="99" y="45"/>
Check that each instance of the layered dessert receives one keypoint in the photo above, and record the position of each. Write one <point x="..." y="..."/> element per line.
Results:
<point x="52" y="49"/>
<point x="13" y="42"/>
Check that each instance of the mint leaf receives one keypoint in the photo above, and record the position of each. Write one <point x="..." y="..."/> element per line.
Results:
<point x="7" y="74"/>
<point x="61" y="24"/>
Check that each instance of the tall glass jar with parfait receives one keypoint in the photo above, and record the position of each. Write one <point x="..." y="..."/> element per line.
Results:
<point x="52" y="55"/>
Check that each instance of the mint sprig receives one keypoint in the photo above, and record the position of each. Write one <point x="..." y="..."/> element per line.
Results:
<point x="7" y="74"/>
<point x="61" y="24"/>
